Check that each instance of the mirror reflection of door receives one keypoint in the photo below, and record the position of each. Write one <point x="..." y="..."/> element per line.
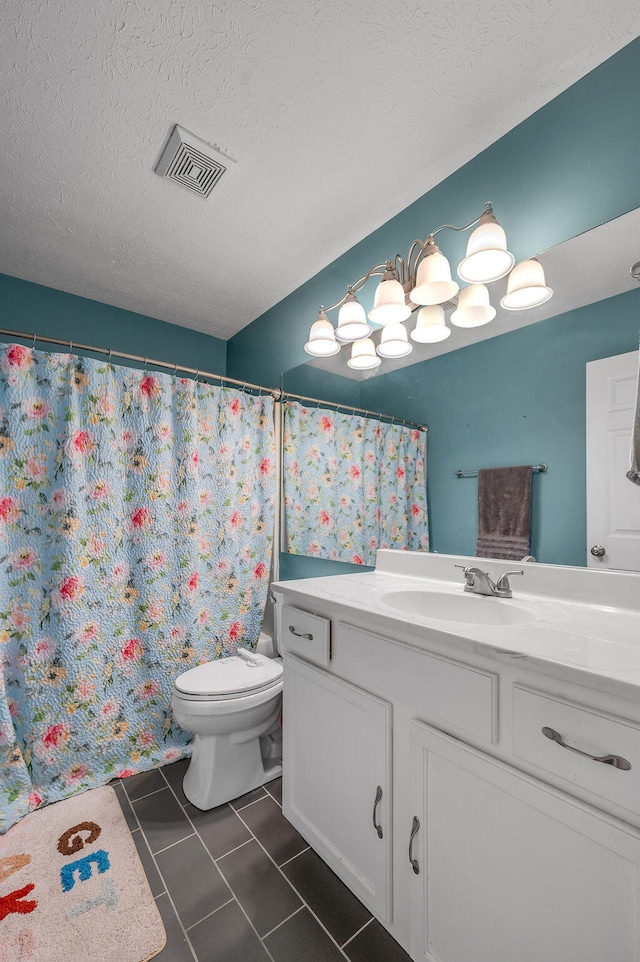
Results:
<point x="613" y="502"/>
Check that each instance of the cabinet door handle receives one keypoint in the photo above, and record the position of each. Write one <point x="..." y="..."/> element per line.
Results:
<point x="377" y="827"/>
<point x="415" y="865"/>
<point x="615" y="760"/>
<point x="299" y="634"/>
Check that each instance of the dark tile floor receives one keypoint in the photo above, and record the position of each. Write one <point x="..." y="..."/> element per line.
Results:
<point x="239" y="884"/>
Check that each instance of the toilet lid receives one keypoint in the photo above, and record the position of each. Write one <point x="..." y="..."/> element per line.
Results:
<point x="229" y="676"/>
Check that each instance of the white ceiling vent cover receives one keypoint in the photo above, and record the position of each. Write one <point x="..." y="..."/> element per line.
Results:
<point x="192" y="163"/>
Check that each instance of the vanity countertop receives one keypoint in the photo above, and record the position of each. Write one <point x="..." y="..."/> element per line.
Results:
<point x="580" y="625"/>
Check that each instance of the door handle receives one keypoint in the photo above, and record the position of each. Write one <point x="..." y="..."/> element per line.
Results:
<point x="415" y="865"/>
<point x="617" y="761"/>
<point x="377" y="827"/>
<point x="598" y="551"/>
<point x="299" y="634"/>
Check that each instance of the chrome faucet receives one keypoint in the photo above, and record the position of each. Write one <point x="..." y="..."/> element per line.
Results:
<point x="479" y="583"/>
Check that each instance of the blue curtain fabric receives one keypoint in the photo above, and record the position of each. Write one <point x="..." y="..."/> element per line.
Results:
<point x="352" y="485"/>
<point x="136" y="523"/>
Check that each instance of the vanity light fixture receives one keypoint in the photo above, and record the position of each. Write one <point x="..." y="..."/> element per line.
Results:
<point x="487" y="256"/>
<point x="352" y="322"/>
<point x="389" y="305"/>
<point x="322" y="339"/>
<point x="430" y="326"/>
<point x="423" y="280"/>
<point x="394" y="341"/>
<point x="526" y="287"/>
<point x="473" y="308"/>
<point x="363" y="355"/>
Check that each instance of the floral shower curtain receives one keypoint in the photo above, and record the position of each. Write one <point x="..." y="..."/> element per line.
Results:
<point x="136" y="520"/>
<point x="352" y="485"/>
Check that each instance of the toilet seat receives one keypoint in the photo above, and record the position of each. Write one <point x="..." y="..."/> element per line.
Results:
<point x="239" y="675"/>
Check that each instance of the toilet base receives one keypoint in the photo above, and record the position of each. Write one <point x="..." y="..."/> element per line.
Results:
<point x="223" y="767"/>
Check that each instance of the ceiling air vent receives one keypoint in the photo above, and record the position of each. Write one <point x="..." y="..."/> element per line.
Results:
<point x="192" y="163"/>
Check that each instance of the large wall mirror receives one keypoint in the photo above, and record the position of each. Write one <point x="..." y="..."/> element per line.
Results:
<point x="511" y="392"/>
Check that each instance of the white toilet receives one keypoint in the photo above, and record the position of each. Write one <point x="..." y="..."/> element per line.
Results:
<point x="229" y="704"/>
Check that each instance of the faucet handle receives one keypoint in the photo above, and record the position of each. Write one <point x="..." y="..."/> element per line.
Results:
<point x="502" y="584"/>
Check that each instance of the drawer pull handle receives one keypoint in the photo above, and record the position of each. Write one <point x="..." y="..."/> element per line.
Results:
<point x="615" y="760"/>
<point x="377" y="827"/>
<point x="415" y="865"/>
<point x="298" y="634"/>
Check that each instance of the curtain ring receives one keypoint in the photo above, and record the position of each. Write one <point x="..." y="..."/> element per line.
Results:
<point x="145" y="365"/>
<point x="197" y="375"/>
<point x="109" y="357"/>
<point x="175" y="371"/>
<point x="34" y="343"/>
<point x="70" y="347"/>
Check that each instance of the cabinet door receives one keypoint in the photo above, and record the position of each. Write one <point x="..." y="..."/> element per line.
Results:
<point x="336" y="762"/>
<point x="511" y="869"/>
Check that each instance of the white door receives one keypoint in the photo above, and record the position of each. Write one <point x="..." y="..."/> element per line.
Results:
<point x="613" y="502"/>
<point x="337" y="778"/>
<point x="512" y="870"/>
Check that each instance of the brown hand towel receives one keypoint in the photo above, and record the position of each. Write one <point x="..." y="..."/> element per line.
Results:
<point x="504" y="512"/>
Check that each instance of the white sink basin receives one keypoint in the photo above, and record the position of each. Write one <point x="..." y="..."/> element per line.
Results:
<point x="466" y="608"/>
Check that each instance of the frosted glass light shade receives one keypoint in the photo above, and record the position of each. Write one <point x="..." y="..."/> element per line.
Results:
<point x="363" y="355"/>
<point x="389" y="304"/>
<point x="352" y="321"/>
<point x="394" y="341"/>
<point x="322" y="339"/>
<point x="526" y="287"/>
<point x="473" y="308"/>
<point x="430" y="327"/>
<point x="433" y="280"/>
<point x="487" y="256"/>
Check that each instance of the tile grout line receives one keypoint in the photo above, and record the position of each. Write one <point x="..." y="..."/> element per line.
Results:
<point x="231" y="850"/>
<point x="289" y="882"/>
<point x="204" y="917"/>
<point x="284" y="921"/>
<point x="173" y="844"/>
<point x="235" y="898"/>
<point x="140" y="797"/>
<point x="293" y="857"/>
<point x="355" y="934"/>
<point x="166" y="892"/>
<point x="249" y="804"/>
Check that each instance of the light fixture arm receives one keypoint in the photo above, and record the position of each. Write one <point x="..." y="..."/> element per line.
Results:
<point x="422" y="246"/>
<point x="378" y="270"/>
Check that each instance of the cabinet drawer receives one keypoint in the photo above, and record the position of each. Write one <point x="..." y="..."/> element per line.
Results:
<point x="306" y="635"/>
<point x="584" y="729"/>
<point x="453" y="696"/>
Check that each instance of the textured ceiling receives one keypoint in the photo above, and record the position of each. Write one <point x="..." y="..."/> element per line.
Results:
<point x="339" y="114"/>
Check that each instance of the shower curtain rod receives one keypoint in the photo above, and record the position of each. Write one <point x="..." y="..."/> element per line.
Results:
<point x="276" y="393"/>
<point x="349" y="407"/>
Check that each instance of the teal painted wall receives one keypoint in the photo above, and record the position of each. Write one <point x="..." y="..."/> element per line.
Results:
<point x="514" y="399"/>
<point x="315" y="383"/>
<point x="43" y="310"/>
<point x="570" y="166"/>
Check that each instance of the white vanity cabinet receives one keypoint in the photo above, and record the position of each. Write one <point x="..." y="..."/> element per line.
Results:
<point x="509" y="868"/>
<point x="337" y="742"/>
<point x="501" y="845"/>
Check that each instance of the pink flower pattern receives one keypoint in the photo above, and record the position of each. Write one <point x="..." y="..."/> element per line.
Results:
<point x="136" y="520"/>
<point x="362" y="488"/>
